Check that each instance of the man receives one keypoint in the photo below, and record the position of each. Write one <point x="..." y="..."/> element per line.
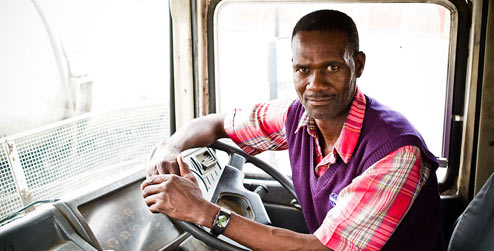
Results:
<point x="362" y="173"/>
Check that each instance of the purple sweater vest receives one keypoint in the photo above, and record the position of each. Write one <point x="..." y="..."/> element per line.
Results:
<point x="383" y="131"/>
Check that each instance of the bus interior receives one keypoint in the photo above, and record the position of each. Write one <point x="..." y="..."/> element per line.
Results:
<point x="88" y="88"/>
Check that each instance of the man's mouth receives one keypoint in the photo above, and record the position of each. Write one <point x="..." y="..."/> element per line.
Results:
<point x="319" y="101"/>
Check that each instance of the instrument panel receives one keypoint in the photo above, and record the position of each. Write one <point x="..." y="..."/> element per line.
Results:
<point x="204" y="164"/>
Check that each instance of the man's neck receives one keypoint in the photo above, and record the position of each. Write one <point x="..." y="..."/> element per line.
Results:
<point x="330" y="131"/>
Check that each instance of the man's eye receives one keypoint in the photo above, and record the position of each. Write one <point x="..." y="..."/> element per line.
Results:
<point x="302" y="70"/>
<point x="333" y="68"/>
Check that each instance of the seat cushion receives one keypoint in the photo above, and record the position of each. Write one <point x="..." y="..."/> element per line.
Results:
<point x="475" y="228"/>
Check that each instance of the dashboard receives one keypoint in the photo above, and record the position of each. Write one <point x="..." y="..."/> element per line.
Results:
<point x="111" y="217"/>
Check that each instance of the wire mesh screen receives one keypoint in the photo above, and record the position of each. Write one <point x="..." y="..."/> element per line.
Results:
<point x="60" y="159"/>
<point x="10" y="199"/>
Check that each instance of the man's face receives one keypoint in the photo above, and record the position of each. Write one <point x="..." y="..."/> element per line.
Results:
<point x="325" y="72"/>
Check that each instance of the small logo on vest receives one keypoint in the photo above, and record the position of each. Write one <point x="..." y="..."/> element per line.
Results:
<point x="332" y="199"/>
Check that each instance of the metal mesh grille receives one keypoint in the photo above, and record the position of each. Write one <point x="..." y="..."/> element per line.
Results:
<point x="10" y="199"/>
<point x="71" y="154"/>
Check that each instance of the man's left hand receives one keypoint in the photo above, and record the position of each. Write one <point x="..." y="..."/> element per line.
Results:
<point x="177" y="196"/>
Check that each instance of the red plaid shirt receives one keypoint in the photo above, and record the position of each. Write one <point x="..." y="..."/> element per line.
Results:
<point x="369" y="209"/>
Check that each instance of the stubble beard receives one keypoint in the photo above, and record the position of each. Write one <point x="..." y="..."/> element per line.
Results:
<point x="330" y="113"/>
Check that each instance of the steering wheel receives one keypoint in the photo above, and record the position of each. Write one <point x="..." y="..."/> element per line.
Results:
<point x="213" y="241"/>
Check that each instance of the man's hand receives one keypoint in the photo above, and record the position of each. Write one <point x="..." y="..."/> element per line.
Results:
<point x="178" y="196"/>
<point x="163" y="161"/>
<point x="198" y="132"/>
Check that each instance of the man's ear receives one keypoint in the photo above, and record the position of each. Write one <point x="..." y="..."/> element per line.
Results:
<point x="359" y="63"/>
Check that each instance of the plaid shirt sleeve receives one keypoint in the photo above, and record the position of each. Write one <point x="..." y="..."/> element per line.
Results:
<point x="260" y="128"/>
<point x="371" y="207"/>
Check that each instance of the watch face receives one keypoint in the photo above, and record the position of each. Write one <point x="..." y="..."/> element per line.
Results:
<point x="222" y="221"/>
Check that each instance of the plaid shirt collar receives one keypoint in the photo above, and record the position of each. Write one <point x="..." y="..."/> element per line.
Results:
<point x="350" y="133"/>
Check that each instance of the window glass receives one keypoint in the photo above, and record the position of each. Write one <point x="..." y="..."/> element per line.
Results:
<point x="407" y="47"/>
<point x="62" y="58"/>
<point x="84" y="91"/>
<point x="31" y="89"/>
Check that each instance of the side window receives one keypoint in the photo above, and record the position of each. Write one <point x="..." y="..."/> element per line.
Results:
<point x="31" y="89"/>
<point x="125" y="57"/>
<point x="86" y="84"/>
<point x="63" y="58"/>
<point x="408" y="59"/>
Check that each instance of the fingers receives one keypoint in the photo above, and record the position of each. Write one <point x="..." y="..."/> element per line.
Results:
<point x="162" y="161"/>
<point x="184" y="168"/>
<point x="154" y="208"/>
<point x="151" y="171"/>
<point x="170" y="168"/>
<point x="162" y="167"/>
<point x="154" y="203"/>
<point x="152" y="189"/>
<point x="173" y="195"/>
<point x="154" y="179"/>
<point x="152" y="199"/>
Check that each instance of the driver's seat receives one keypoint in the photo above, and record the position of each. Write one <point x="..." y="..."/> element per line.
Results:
<point x="475" y="228"/>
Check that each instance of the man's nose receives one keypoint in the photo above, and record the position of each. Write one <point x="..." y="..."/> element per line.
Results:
<point x="317" y="81"/>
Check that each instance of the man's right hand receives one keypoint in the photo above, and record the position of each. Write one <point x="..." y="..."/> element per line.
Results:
<point x="163" y="161"/>
<point x="198" y="132"/>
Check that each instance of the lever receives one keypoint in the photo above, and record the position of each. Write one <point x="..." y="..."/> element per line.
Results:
<point x="237" y="161"/>
<point x="261" y="190"/>
<point x="295" y="204"/>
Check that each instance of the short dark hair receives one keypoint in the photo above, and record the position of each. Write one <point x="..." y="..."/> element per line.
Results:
<point x="330" y="20"/>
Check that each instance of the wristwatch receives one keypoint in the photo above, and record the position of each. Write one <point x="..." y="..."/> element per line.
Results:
<point x="221" y="221"/>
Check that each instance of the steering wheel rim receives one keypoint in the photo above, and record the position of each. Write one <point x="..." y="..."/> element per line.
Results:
<point x="212" y="240"/>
